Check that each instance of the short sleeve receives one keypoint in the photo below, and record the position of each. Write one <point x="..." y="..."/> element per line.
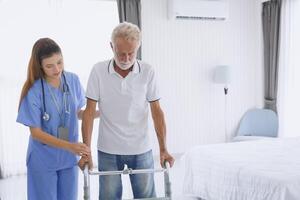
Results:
<point x="153" y="91"/>
<point x="93" y="87"/>
<point x="80" y="96"/>
<point x="30" y="110"/>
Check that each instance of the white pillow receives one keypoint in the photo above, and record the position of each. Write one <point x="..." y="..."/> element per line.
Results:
<point x="249" y="138"/>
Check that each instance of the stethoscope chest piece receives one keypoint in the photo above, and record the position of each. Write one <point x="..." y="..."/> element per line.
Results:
<point x="46" y="117"/>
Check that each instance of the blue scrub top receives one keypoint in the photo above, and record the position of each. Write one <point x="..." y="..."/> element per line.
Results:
<point x="41" y="156"/>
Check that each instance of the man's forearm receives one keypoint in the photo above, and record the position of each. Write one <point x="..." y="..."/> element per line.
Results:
<point x="87" y="126"/>
<point x="161" y="140"/>
<point x="160" y="128"/>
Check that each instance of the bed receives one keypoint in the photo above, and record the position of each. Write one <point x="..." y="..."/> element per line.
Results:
<point x="252" y="170"/>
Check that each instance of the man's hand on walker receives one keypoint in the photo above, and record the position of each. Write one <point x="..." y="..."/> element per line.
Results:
<point x="166" y="157"/>
<point x="85" y="160"/>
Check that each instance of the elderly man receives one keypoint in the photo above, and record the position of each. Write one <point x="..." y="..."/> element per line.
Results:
<point x="123" y="87"/>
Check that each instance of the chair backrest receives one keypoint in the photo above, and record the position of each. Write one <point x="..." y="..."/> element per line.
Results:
<point x="259" y="122"/>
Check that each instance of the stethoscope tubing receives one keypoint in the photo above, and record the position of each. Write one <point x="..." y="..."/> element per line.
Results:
<point x="46" y="116"/>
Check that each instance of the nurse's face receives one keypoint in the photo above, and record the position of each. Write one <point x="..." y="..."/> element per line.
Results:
<point x="53" y="66"/>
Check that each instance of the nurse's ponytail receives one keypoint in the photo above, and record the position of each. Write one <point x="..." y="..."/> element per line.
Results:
<point x="43" y="48"/>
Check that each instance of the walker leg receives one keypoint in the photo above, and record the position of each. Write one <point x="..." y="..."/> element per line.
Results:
<point x="168" y="192"/>
<point x="86" y="184"/>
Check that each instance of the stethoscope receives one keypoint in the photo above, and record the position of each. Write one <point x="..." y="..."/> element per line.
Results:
<point x="65" y="89"/>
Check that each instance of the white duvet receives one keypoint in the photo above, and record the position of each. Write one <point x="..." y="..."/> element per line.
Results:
<point x="253" y="170"/>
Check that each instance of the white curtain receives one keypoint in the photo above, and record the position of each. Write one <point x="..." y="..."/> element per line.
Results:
<point x="82" y="28"/>
<point x="289" y="70"/>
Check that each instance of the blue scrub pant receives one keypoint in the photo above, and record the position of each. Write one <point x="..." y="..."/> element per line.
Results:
<point x="52" y="185"/>
<point x="111" y="186"/>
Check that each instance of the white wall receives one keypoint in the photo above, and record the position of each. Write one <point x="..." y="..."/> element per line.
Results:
<point x="184" y="54"/>
<point x="81" y="28"/>
<point x="289" y="70"/>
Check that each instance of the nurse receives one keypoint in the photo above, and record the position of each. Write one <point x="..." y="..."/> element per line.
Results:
<point x="50" y="104"/>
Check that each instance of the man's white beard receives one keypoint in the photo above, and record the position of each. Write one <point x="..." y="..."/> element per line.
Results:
<point x="124" y="66"/>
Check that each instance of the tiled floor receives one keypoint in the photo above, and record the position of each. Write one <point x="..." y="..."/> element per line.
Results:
<point x="14" y="188"/>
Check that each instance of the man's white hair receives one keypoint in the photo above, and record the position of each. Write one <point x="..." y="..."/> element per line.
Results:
<point x="128" y="31"/>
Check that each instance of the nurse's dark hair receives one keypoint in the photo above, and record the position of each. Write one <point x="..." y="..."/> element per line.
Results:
<point x="42" y="48"/>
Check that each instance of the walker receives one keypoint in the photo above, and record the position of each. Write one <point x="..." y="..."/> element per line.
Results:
<point x="87" y="173"/>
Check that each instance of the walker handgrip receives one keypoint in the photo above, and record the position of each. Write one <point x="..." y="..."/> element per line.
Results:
<point x="85" y="169"/>
<point x="167" y="165"/>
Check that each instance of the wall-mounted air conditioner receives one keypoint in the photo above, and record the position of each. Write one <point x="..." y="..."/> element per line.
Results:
<point x="198" y="9"/>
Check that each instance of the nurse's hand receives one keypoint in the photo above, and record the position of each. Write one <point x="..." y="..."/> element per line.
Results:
<point x="79" y="149"/>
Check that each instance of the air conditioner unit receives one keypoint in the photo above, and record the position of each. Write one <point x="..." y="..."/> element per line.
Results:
<point x="198" y="9"/>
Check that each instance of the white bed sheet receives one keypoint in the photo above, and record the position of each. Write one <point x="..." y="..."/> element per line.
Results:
<point x="252" y="170"/>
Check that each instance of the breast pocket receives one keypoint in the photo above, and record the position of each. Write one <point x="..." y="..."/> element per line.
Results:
<point x="138" y="94"/>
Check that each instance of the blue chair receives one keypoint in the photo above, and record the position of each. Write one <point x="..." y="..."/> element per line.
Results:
<point x="257" y="124"/>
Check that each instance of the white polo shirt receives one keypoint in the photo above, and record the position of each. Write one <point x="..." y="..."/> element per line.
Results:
<point x="123" y="105"/>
